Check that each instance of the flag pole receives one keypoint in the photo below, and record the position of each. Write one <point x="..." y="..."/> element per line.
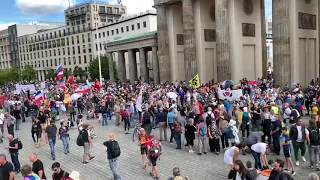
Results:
<point x="98" y="45"/>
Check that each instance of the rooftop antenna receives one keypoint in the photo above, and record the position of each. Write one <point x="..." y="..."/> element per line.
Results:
<point x="69" y="3"/>
<point x="119" y="2"/>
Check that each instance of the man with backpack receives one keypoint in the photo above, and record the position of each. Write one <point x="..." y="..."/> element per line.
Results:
<point x="202" y="136"/>
<point x="85" y="141"/>
<point x="14" y="146"/>
<point x="314" y="144"/>
<point x="155" y="149"/>
<point x="113" y="152"/>
<point x="299" y="135"/>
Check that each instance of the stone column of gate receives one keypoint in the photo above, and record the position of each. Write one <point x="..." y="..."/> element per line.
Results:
<point x="189" y="39"/>
<point x="132" y="66"/>
<point x="143" y="65"/>
<point x="223" y="41"/>
<point x="263" y="40"/>
<point x="111" y="70"/>
<point x="281" y="42"/>
<point x="155" y="65"/>
<point x="163" y="51"/>
<point x="121" y="66"/>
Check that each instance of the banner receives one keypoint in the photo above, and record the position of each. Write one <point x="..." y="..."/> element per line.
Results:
<point x="24" y="88"/>
<point x="230" y="95"/>
<point x="195" y="82"/>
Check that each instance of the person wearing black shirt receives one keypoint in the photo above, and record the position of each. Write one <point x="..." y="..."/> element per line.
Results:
<point x="112" y="160"/>
<point x="17" y="114"/>
<point x="51" y="137"/>
<point x="87" y="144"/>
<point x="6" y="168"/>
<point x="58" y="173"/>
<point x="36" y="129"/>
<point x="37" y="166"/>
<point x="276" y="132"/>
<point x="13" y="149"/>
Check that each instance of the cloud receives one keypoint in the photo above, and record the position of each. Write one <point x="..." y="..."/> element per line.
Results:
<point x="5" y="25"/>
<point x="43" y="6"/>
<point x="268" y="7"/>
<point x="137" y="6"/>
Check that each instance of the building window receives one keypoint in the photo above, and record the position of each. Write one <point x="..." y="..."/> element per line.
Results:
<point x="103" y="34"/>
<point x="74" y="60"/>
<point x="63" y="51"/>
<point x="138" y="25"/>
<point x="83" y="40"/>
<point x="58" y="52"/>
<point x="78" y="40"/>
<point x="127" y="27"/>
<point x="72" y="40"/>
<point x="85" y="59"/>
<point x="50" y="62"/>
<point x="96" y="47"/>
<point x="89" y="38"/>
<point x="55" y="62"/>
<point x="79" y="59"/>
<point x="73" y="50"/>
<point x="95" y="36"/>
<point x="67" y="41"/>
<point x="122" y="30"/>
<point x="64" y="61"/>
<point x="78" y="49"/>
<point x="99" y="35"/>
<point x="84" y="49"/>
<point x="107" y="33"/>
<point x="112" y="32"/>
<point x="117" y="30"/>
<point x="144" y="24"/>
<point x="69" y="60"/>
<point x="100" y="47"/>
<point x="132" y="27"/>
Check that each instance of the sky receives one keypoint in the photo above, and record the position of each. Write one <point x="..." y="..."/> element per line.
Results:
<point x="26" y="11"/>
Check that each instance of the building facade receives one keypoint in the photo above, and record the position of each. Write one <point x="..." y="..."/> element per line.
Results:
<point x="5" y="58"/>
<point x="269" y="45"/>
<point x="70" y="45"/>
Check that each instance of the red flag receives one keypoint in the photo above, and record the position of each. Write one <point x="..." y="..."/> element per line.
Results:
<point x="97" y="85"/>
<point x="71" y="80"/>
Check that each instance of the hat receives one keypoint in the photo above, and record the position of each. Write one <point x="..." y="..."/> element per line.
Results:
<point x="232" y="122"/>
<point x="111" y="136"/>
<point x="75" y="175"/>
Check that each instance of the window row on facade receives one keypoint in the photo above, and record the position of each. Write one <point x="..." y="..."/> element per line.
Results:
<point x="122" y="30"/>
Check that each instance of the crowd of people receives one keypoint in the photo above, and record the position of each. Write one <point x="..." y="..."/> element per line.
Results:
<point x="253" y="123"/>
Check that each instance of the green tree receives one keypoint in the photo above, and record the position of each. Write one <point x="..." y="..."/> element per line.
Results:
<point x="93" y="68"/>
<point x="67" y="73"/>
<point x="14" y="74"/>
<point x="81" y="73"/>
<point x="29" y="73"/>
<point x="4" y="75"/>
<point x="51" y="74"/>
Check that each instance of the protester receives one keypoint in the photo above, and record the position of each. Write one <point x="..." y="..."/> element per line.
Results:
<point x="28" y="174"/>
<point x="232" y="154"/>
<point x="64" y="136"/>
<point x="214" y="137"/>
<point x="14" y="152"/>
<point x="154" y="148"/>
<point x="58" y="173"/>
<point x="177" y="132"/>
<point x="36" y="129"/>
<point x="238" y="171"/>
<point x="287" y="151"/>
<point x="202" y="130"/>
<point x="51" y="136"/>
<point x="37" y="166"/>
<point x="143" y="139"/>
<point x="113" y="152"/>
<point x="190" y="130"/>
<point x="7" y="172"/>
<point x="87" y="144"/>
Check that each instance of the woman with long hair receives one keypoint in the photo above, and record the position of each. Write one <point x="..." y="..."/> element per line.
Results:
<point x="238" y="171"/>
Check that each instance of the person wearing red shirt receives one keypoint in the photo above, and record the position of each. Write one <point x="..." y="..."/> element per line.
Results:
<point x="154" y="149"/>
<point x="143" y="139"/>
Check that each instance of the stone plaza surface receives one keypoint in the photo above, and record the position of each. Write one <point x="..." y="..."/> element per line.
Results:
<point x="193" y="166"/>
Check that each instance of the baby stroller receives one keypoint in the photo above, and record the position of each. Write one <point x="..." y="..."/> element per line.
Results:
<point x="90" y="115"/>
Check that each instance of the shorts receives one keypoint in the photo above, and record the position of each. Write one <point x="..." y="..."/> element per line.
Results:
<point x="153" y="160"/>
<point x="144" y="150"/>
<point x="287" y="153"/>
<point x="190" y="142"/>
<point x="86" y="147"/>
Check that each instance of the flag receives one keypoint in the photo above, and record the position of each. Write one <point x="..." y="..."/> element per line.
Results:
<point x="83" y="88"/>
<point x="71" y="80"/>
<point x="97" y="85"/>
<point x="60" y="75"/>
<point x="38" y="96"/>
<point x="59" y="68"/>
<point x="195" y="82"/>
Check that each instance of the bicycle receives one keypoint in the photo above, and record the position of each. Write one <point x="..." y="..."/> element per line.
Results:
<point x="136" y="132"/>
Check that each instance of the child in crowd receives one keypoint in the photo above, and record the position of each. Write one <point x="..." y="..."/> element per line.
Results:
<point x="91" y="130"/>
<point x="314" y="111"/>
<point x="287" y="150"/>
<point x="252" y="172"/>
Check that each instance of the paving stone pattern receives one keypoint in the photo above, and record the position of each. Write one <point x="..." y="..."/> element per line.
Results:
<point x="193" y="166"/>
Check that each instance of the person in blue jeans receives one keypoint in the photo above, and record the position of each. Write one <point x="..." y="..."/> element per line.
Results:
<point x="104" y="116"/>
<point x="276" y="133"/>
<point x="51" y="136"/>
<point x="14" y="152"/>
<point x="177" y="132"/>
<point x="110" y="155"/>
<point x="64" y="136"/>
<point x="170" y="119"/>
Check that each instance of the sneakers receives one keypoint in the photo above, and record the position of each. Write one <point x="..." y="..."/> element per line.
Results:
<point x="303" y="159"/>
<point x="199" y="154"/>
<point x="293" y="173"/>
<point x="297" y="163"/>
<point x="91" y="158"/>
<point x="310" y="167"/>
<point x="317" y="167"/>
<point x="191" y="151"/>
<point x="84" y="163"/>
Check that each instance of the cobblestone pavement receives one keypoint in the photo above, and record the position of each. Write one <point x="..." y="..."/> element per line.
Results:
<point x="193" y="166"/>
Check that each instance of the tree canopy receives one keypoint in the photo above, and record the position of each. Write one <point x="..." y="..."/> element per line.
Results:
<point x="29" y="73"/>
<point x="94" y="68"/>
<point x="51" y="74"/>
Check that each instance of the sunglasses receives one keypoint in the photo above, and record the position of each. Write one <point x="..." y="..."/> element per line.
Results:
<point x="55" y="169"/>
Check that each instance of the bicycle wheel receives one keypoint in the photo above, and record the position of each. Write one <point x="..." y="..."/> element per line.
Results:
<point x="134" y="135"/>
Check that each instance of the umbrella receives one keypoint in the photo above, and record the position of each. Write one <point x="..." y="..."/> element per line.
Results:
<point x="252" y="82"/>
<point x="227" y="82"/>
<point x="172" y="95"/>
<point x="75" y="96"/>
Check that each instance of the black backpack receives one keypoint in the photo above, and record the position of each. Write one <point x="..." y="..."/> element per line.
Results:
<point x="209" y="119"/>
<point x="115" y="149"/>
<point x="19" y="143"/>
<point x="80" y="140"/>
<point x="314" y="135"/>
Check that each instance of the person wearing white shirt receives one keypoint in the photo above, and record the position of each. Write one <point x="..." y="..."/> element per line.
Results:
<point x="299" y="136"/>
<point x="1" y="121"/>
<point x="260" y="149"/>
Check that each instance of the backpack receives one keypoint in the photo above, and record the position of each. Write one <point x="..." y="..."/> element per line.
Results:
<point x="178" y="127"/>
<point x="80" y="140"/>
<point x="209" y="118"/>
<point x="115" y="149"/>
<point x="202" y="129"/>
<point x="124" y="114"/>
<point x="229" y="133"/>
<point x="313" y="135"/>
<point x="19" y="143"/>
<point x="156" y="147"/>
